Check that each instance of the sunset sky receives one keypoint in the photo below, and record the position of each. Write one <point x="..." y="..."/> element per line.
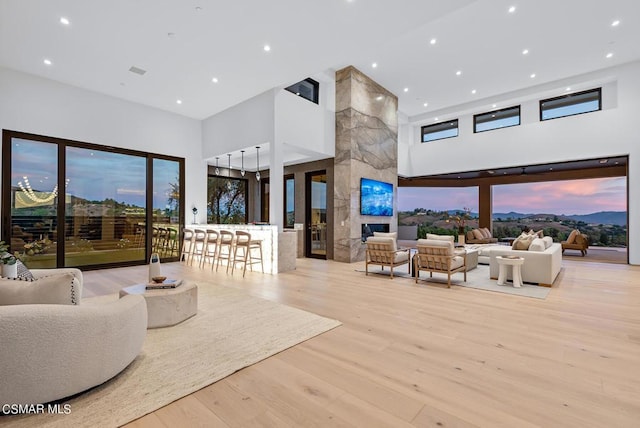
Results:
<point x="553" y="197"/>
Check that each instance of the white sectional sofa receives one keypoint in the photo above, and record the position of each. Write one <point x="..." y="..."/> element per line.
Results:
<point x="59" y="347"/>
<point x="540" y="267"/>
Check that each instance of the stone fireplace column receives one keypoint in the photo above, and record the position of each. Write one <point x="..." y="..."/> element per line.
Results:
<point x="366" y="147"/>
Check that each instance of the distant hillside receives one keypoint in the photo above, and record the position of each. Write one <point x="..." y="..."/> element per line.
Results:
<point x="618" y="218"/>
<point x="603" y="217"/>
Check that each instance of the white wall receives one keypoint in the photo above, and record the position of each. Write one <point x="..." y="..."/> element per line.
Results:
<point x="40" y="106"/>
<point x="250" y="123"/>
<point x="612" y="131"/>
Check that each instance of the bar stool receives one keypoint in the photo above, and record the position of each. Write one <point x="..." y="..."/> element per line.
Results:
<point x="246" y="244"/>
<point x="210" y="248"/>
<point x="187" y="244"/>
<point x="225" y="248"/>
<point x="172" y="241"/>
<point x="199" y="243"/>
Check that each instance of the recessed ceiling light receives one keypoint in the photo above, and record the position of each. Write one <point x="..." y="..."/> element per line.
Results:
<point x="533" y="75"/>
<point x="406" y="89"/>
<point x="512" y="9"/>
<point x="551" y="169"/>
<point x="433" y="41"/>
<point x="603" y="161"/>
<point x="609" y="55"/>
<point x="615" y="23"/>
<point x="64" y="21"/>
<point x="267" y="48"/>
<point x="374" y="65"/>
<point x="178" y="101"/>
<point x="473" y="91"/>
<point x="494" y="105"/>
<point x="568" y="88"/>
<point x="47" y="61"/>
<point x="379" y="97"/>
<point x="214" y="80"/>
<point x="435" y="119"/>
<point x="458" y="73"/>
<point x="425" y="104"/>
<point x="491" y="172"/>
<point x="525" y="51"/>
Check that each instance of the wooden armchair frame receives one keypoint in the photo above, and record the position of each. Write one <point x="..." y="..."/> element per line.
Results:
<point x="439" y="258"/>
<point x="383" y="252"/>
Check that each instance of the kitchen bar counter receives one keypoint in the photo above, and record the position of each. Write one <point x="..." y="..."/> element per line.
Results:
<point x="274" y="261"/>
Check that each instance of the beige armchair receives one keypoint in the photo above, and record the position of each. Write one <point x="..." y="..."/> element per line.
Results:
<point x="383" y="251"/>
<point x="439" y="256"/>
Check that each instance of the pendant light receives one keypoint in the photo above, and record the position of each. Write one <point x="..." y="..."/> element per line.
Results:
<point x="217" y="170"/>
<point x="258" y="163"/>
<point x="229" y="172"/>
<point x="242" y="171"/>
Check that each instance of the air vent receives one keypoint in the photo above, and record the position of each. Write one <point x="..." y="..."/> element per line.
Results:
<point x="137" y="70"/>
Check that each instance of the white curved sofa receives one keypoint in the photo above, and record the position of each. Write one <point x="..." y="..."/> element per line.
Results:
<point x="52" y="351"/>
<point x="540" y="267"/>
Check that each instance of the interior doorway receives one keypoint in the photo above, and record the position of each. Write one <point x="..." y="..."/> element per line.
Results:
<point x="316" y="214"/>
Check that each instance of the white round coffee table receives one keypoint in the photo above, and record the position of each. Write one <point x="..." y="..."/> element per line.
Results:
<point x="168" y="306"/>
<point x="516" y="263"/>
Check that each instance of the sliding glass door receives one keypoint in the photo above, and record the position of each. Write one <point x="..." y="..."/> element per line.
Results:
<point x="33" y="201"/>
<point x="106" y="201"/>
<point x="72" y="204"/>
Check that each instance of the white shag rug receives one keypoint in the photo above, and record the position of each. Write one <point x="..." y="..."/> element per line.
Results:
<point x="231" y="330"/>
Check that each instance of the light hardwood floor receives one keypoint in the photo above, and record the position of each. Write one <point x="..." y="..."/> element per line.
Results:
<point x="424" y="355"/>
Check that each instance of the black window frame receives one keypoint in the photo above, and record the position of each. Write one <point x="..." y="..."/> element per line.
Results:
<point x="439" y="127"/>
<point x="569" y="97"/>
<point x="496" y="115"/>
<point x="313" y="97"/>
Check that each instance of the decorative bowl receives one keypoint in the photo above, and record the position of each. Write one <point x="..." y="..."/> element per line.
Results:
<point x="158" y="279"/>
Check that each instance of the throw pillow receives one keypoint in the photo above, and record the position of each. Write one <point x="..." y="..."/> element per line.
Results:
<point x="537" y="245"/>
<point x="477" y="234"/>
<point x="486" y="232"/>
<point x="572" y="236"/>
<point x="53" y="289"/>
<point x="547" y="241"/>
<point x="393" y="235"/>
<point x="24" y="272"/>
<point x="522" y="242"/>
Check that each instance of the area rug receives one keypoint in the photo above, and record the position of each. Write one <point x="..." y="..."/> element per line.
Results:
<point x="231" y="330"/>
<point x="476" y="278"/>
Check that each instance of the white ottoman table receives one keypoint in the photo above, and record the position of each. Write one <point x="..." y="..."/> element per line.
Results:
<point x="516" y="263"/>
<point x="167" y="306"/>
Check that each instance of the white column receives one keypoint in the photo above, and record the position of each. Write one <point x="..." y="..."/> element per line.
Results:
<point x="276" y="184"/>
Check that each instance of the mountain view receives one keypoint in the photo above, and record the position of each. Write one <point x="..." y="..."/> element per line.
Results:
<point x="604" y="228"/>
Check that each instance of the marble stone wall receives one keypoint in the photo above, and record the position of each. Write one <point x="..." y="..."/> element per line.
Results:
<point x="366" y="146"/>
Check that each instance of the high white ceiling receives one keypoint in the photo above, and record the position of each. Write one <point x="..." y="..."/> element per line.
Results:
<point x="183" y="44"/>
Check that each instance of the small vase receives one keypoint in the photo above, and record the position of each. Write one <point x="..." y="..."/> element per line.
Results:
<point x="10" y="271"/>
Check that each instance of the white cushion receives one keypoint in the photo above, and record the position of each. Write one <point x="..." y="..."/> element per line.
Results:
<point x="55" y="289"/>
<point x="383" y="240"/>
<point x="393" y="235"/>
<point x="537" y="245"/>
<point x="548" y="241"/>
<point x="457" y="262"/>
<point x="437" y="243"/>
<point x="440" y="237"/>
<point x="401" y="257"/>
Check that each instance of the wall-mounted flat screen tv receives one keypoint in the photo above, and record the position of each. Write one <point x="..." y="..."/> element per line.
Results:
<point x="376" y="197"/>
